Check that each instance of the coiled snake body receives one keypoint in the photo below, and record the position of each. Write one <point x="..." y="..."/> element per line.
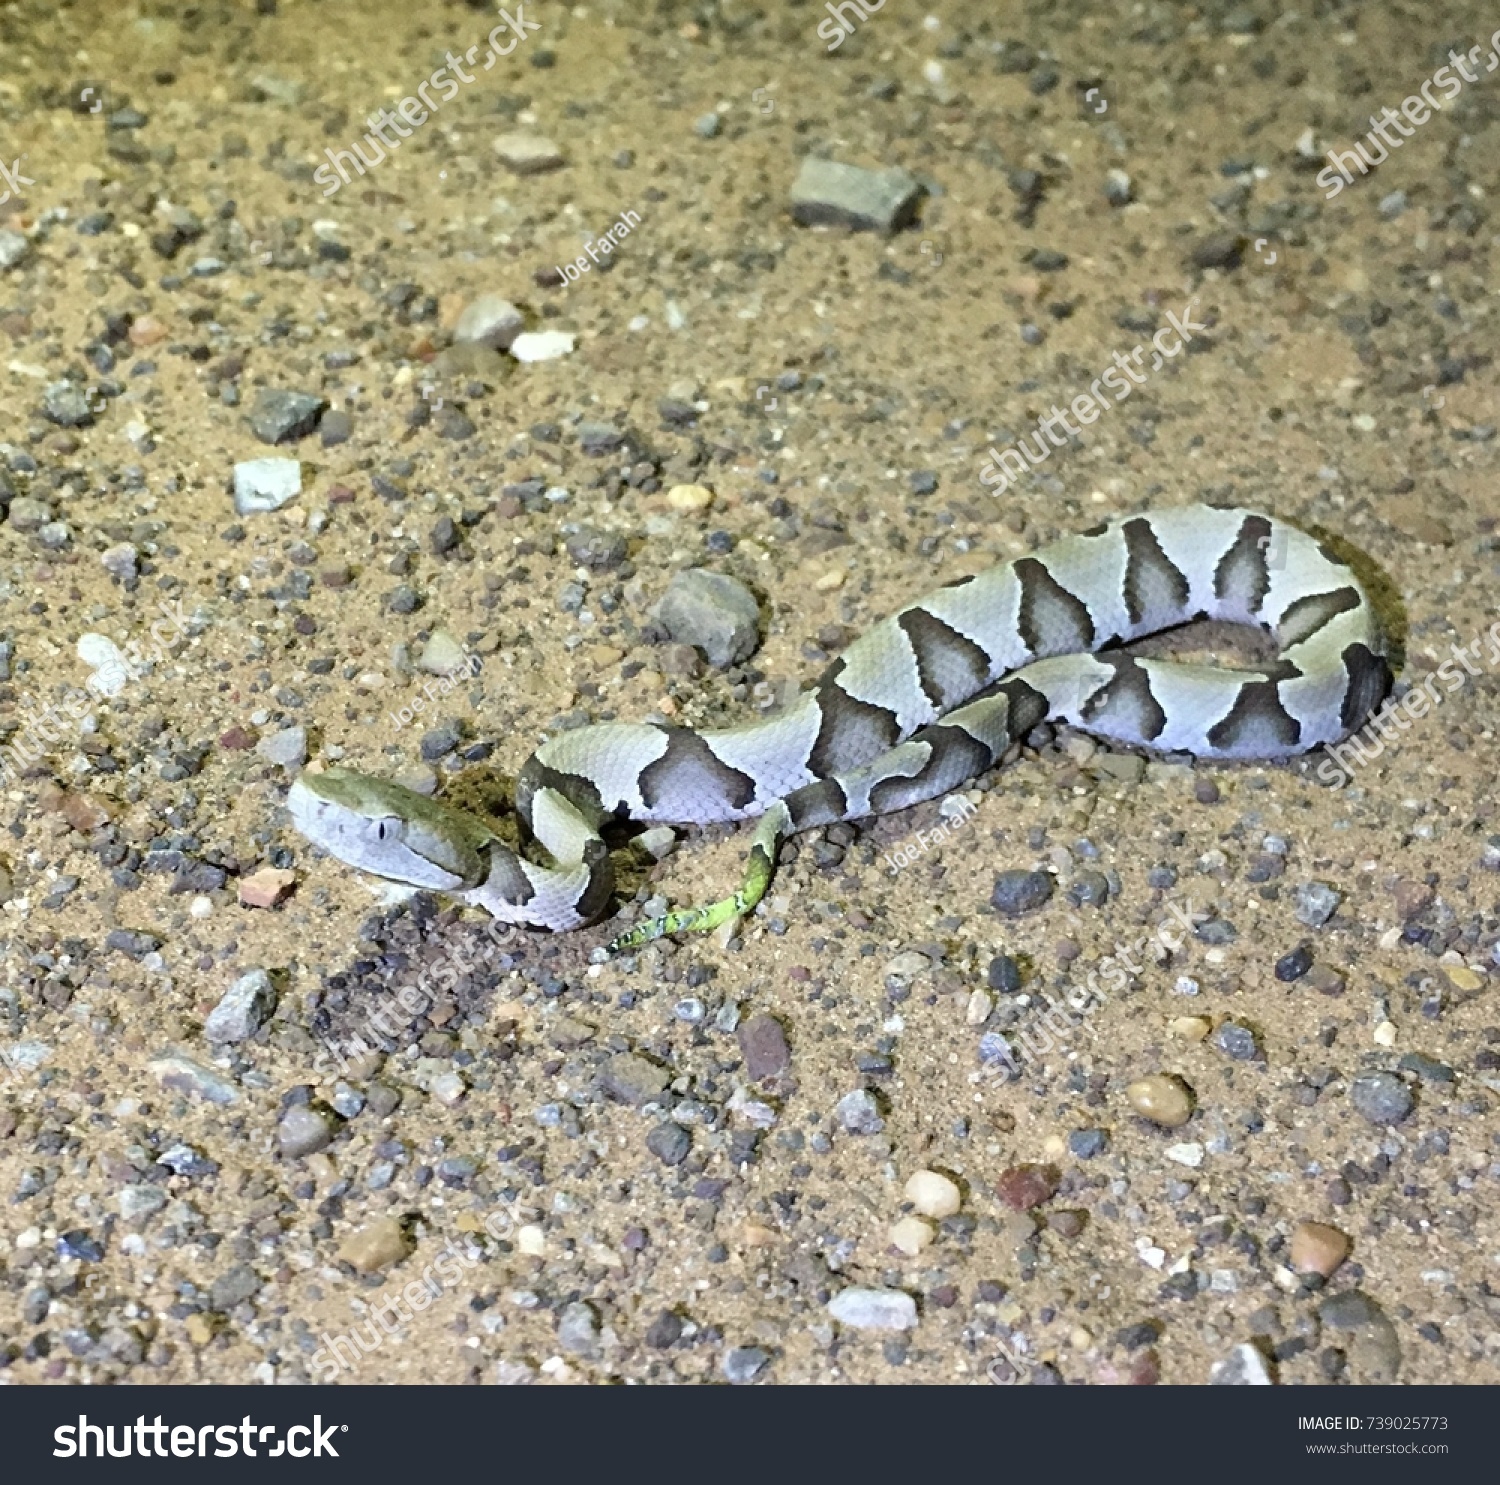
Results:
<point x="922" y="702"/>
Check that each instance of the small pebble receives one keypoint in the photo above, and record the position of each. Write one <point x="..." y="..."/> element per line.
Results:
<point x="1162" y="1098"/>
<point x="1317" y="1248"/>
<point x="874" y="1309"/>
<point x="1381" y="1097"/>
<point x="933" y="1194"/>
<point x="376" y="1246"/>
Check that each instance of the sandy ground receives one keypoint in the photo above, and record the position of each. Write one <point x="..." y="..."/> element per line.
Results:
<point x="181" y="1209"/>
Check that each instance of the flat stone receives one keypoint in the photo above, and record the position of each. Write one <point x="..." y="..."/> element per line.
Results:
<point x="262" y="485"/>
<point x="763" y="1045"/>
<point x="174" y="1069"/>
<point x="528" y="154"/>
<point x="743" y="1364"/>
<point x="874" y="1309"/>
<point x="288" y="747"/>
<point x="827" y="193"/>
<point x="244" y="1009"/>
<point x="632" y="1080"/>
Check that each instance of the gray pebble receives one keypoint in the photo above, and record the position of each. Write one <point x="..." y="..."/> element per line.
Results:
<point x="1243" y="1367"/>
<point x="1018" y="892"/>
<point x="303" y="1130"/>
<point x="1381" y="1097"/>
<point x="1089" y="889"/>
<point x="874" y="1309"/>
<point x="1003" y="974"/>
<point x="1236" y="1041"/>
<point x="596" y="549"/>
<point x="714" y="613"/>
<point x="175" y="1069"/>
<point x="707" y="126"/>
<point x="670" y="1143"/>
<point x="1086" y="1144"/>
<point x="288" y="747"/>
<point x="858" y="1113"/>
<point x="743" y="1364"/>
<point x="280" y="416"/>
<point x="827" y="193"/>
<point x="578" y="1329"/>
<point x="235" y="1287"/>
<point x="243" y="1010"/>
<point x="1315" y="902"/>
<point x="67" y="405"/>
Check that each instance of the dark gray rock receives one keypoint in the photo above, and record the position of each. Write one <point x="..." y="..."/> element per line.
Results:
<point x="1018" y="892"/>
<point x="670" y="1143"/>
<point x="279" y="416"/>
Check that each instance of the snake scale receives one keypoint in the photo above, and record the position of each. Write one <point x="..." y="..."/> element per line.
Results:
<point x="922" y="702"/>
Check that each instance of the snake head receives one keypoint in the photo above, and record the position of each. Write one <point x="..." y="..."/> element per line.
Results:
<point x="389" y="831"/>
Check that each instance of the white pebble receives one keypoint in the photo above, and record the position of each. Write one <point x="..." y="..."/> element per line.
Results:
<point x="933" y="1194"/>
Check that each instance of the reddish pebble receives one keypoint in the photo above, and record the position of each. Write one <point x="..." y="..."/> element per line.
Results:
<point x="146" y="330"/>
<point x="83" y="812"/>
<point x="339" y="494"/>
<point x="1145" y="1370"/>
<point x="1023" y="1187"/>
<point x="236" y="739"/>
<point x="266" y="887"/>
